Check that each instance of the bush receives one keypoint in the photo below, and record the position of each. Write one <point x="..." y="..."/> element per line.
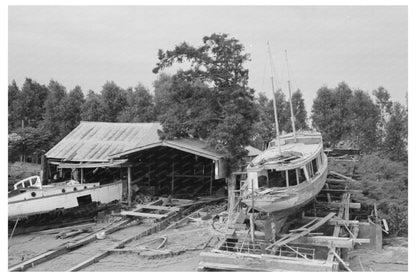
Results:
<point x="385" y="183"/>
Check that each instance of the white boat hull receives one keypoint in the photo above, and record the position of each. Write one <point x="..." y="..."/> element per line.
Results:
<point x="296" y="198"/>
<point x="61" y="197"/>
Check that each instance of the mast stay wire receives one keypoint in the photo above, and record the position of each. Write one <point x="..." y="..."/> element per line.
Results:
<point x="273" y="71"/>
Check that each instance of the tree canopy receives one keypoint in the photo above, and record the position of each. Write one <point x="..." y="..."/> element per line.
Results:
<point x="218" y="79"/>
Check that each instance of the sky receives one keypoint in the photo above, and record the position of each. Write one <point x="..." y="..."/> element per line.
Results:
<point x="365" y="46"/>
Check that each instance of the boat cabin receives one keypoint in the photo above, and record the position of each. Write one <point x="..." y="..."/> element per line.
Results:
<point x="289" y="170"/>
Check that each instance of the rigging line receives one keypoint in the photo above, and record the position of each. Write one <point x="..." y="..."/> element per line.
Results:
<point x="264" y="75"/>
<point x="289" y="73"/>
<point x="273" y="68"/>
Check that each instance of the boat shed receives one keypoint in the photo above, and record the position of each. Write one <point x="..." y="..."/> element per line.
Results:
<point x="133" y="152"/>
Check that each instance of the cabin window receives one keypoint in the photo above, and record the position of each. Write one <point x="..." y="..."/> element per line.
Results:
<point x="262" y="181"/>
<point x="292" y="177"/>
<point x="314" y="166"/>
<point x="310" y="170"/>
<point x="27" y="183"/>
<point x="277" y="178"/>
<point x="301" y="175"/>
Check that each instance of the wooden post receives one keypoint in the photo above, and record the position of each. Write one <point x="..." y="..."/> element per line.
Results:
<point x="173" y="178"/>
<point x="43" y="171"/>
<point x="210" y="180"/>
<point x="231" y="194"/>
<point x="129" y="185"/>
<point x="82" y="175"/>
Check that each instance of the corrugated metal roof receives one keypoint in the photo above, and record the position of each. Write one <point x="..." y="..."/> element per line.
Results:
<point x="96" y="141"/>
<point x="101" y="141"/>
<point x="194" y="146"/>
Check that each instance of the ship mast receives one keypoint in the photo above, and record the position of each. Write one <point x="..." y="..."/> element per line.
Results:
<point x="292" y="117"/>
<point x="274" y="103"/>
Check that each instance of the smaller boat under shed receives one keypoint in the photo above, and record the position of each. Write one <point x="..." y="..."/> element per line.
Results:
<point x="133" y="152"/>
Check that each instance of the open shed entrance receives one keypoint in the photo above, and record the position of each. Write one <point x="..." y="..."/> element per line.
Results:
<point x="164" y="171"/>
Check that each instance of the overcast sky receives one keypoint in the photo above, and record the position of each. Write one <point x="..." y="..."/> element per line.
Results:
<point x="364" y="46"/>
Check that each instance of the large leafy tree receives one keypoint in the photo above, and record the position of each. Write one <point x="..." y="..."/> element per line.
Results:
<point x="140" y="106"/>
<point x="191" y="112"/>
<point x="93" y="108"/>
<point x="364" y="116"/>
<point x="330" y="113"/>
<point x="395" y="144"/>
<point x="219" y="65"/>
<point x="26" y="106"/>
<point x="71" y="106"/>
<point x="13" y="97"/>
<point x="114" y="99"/>
<point x="299" y="110"/>
<point x="162" y="86"/>
<point x="55" y="109"/>
<point x="384" y="105"/>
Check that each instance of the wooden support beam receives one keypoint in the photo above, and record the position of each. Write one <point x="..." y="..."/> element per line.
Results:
<point x="294" y="236"/>
<point x="339" y="259"/>
<point x="50" y="254"/>
<point x="90" y="261"/>
<point x="332" y="221"/>
<point x="343" y="177"/>
<point x="329" y="241"/>
<point x="337" y="205"/>
<point x="139" y="207"/>
<point x="147" y="215"/>
<point x="249" y="262"/>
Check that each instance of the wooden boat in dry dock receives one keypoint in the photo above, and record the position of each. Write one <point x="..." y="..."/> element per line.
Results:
<point x="287" y="175"/>
<point x="30" y="197"/>
<point x="280" y="181"/>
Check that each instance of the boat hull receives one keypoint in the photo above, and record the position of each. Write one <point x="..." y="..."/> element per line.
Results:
<point x="63" y="197"/>
<point x="295" y="198"/>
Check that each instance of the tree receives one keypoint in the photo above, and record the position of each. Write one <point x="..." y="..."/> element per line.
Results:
<point x="55" y="110"/>
<point x="114" y="99"/>
<point x="93" y="108"/>
<point x="331" y="115"/>
<point x="27" y="141"/>
<point x="364" y="116"/>
<point x="322" y="117"/>
<point x="27" y="106"/>
<point x="395" y="144"/>
<point x="71" y="106"/>
<point x="299" y="113"/>
<point x="191" y="112"/>
<point x="140" y="106"/>
<point x="384" y="105"/>
<point x="263" y="130"/>
<point x="219" y="65"/>
<point x="13" y="97"/>
<point x="162" y="86"/>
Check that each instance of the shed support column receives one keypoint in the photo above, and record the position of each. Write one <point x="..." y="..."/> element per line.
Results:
<point x="82" y="175"/>
<point x="129" y="186"/>
<point x="231" y="194"/>
<point x="210" y="180"/>
<point x="173" y="178"/>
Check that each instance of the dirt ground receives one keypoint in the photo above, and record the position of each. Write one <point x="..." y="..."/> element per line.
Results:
<point x="186" y="244"/>
<point x="393" y="257"/>
<point x="191" y="237"/>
